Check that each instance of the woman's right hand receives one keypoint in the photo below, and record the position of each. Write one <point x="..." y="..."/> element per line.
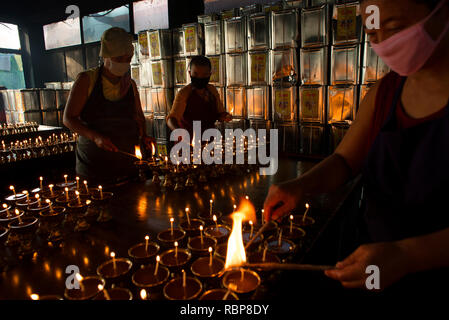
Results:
<point x="282" y="198"/>
<point x="104" y="143"/>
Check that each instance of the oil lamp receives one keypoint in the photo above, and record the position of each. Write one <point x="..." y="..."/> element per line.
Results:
<point x="143" y="252"/>
<point x="245" y="281"/>
<point x="183" y="288"/>
<point x="141" y="165"/>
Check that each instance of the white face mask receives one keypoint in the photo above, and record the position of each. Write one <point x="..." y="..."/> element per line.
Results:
<point x="116" y="68"/>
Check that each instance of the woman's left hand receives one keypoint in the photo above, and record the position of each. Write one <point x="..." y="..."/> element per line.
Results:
<point x="390" y="257"/>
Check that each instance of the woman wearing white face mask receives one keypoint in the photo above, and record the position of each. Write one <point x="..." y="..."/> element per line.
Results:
<point x="399" y="142"/>
<point x="104" y="109"/>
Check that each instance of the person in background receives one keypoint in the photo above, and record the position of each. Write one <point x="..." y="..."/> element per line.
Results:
<point x="197" y="101"/>
<point x="104" y="109"/>
<point x="399" y="142"/>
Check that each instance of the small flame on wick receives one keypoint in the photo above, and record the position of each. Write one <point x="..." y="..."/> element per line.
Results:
<point x="138" y="153"/>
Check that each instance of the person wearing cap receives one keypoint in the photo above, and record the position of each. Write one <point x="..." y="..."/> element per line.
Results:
<point x="197" y="101"/>
<point x="104" y="109"/>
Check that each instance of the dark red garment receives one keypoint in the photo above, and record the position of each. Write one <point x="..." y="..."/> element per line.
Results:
<point x="406" y="183"/>
<point x="198" y="109"/>
<point x="384" y="98"/>
<point x="115" y="120"/>
<point x="406" y="172"/>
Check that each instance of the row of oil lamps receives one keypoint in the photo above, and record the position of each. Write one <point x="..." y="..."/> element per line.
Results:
<point x="180" y="176"/>
<point x="17" y="128"/>
<point x="29" y="149"/>
<point x="50" y="211"/>
<point x="188" y="261"/>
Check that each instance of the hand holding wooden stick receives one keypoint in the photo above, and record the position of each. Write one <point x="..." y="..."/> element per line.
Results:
<point x="127" y="154"/>
<point x="288" y="266"/>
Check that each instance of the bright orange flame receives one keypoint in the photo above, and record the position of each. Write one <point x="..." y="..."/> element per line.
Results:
<point x="138" y="153"/>
<point x="236" y="254"/>
<point x="153" y="149"/>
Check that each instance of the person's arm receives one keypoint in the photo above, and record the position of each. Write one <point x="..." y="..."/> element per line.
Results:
<point x="330" y="173"/>
<point x="222" y="114"/>
<point x="179" y="105"/>
<point x="427" y="252"/>
<point x="395" y="259"/>
<point x="75" y="104"/>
